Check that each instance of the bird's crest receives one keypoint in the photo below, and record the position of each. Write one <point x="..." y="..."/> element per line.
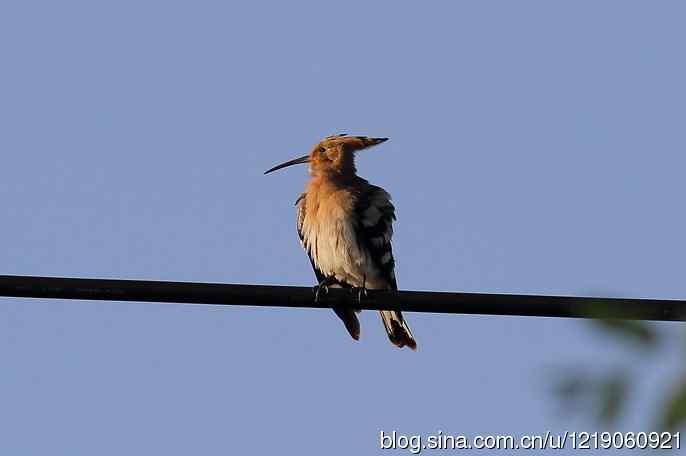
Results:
<point x="334" y="155"/>
<point x="354" y="143"/>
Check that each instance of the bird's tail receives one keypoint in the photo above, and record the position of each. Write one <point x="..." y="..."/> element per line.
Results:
<point x="349" y="317"/>
<point x="396" y="327"/>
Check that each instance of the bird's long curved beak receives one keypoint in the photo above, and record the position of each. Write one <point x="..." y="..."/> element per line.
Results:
<point x="297" y="161"/>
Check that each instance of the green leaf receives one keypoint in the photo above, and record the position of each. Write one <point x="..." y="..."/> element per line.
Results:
<point x="675" y="408"/>
<point x="612" y="395"/>
<point x="640" y="333"/>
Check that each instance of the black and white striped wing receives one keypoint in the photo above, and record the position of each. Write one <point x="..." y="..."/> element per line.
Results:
<point x="375" y="215"/>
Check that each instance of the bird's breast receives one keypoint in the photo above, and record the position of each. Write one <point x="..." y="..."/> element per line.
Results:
<point x="330" y="237"/>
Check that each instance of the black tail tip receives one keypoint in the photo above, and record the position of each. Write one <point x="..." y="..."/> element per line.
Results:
<point x="400" y="337"/>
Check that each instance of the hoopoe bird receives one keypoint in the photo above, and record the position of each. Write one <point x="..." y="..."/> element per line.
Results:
<point x="345" y="225"/>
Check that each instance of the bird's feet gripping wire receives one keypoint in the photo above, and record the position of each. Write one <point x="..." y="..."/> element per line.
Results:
<point x="322" y="286"/>
<point x="361" y="291"/>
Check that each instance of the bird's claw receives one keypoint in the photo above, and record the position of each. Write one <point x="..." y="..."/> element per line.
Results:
<point x="361" y="291"/>
<point x="318" y="289"/>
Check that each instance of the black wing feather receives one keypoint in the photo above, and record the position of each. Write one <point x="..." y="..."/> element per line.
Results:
<point x="382" y="229"/>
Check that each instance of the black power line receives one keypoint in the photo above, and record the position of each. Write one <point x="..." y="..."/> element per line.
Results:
<point x="412" y="301"/>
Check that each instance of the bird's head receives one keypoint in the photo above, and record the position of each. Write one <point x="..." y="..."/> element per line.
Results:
<point x="334" y="155"/>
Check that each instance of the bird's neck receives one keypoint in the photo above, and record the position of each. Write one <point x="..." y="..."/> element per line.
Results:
<point x="334" y="177"/>
<point x="327" y="183"/>
<point x="341" y="169"/>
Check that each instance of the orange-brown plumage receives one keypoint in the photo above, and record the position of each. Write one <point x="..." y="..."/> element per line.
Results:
<point x="334" y="157"/>
<point x="345" y="226"/>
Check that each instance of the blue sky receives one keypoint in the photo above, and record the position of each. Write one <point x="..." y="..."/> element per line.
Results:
<point x="536" y="147"/>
